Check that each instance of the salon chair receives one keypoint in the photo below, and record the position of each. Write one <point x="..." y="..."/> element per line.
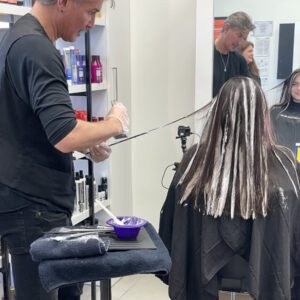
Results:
<point x="231" y="276"/>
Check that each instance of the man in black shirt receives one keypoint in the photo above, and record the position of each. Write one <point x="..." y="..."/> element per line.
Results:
<point x="38" y="133"/>
<point x="227" y="62"/>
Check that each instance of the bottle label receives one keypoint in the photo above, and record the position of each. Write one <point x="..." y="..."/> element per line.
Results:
<point x="297" y="152"/>
<point x="98" y="74"/>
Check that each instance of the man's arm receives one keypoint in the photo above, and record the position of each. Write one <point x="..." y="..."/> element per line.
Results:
<point x="88" y="134"/>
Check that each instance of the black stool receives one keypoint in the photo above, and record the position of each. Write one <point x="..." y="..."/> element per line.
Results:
<point x="232" y="275"/>
<point x="5" y="270"/>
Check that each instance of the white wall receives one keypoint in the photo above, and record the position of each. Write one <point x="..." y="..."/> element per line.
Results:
<point x="204" y="54"/>
<point x="120" y="57"/>
<point x="160" y="47"/>
<point x="268" y="10"/>
<point x="163" y="89"/>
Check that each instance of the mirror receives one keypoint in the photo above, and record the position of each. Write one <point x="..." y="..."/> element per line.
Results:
<point x="267" y="15"/>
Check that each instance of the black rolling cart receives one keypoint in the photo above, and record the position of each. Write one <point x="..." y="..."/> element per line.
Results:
<point x="145" y="256"/>
<point x="4" y="255"/>
<point x="5" y="270"/>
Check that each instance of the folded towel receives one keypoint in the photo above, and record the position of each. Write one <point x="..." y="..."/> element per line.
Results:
<point x="59" y="272"/>
<point x="53" y="246"/>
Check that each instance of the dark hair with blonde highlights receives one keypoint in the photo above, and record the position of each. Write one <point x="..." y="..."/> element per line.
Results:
<point x="231" y="163"/>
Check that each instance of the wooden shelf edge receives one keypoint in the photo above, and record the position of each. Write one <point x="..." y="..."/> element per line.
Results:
<point x="11" y="9"/>
<point x="100" y="21"/>
<point x="80" y="88"/>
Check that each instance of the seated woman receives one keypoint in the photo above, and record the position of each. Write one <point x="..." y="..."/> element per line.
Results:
<point x="285" y="116"/>
<point x="235" y="193"/>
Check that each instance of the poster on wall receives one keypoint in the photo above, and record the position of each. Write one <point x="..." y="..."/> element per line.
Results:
<point x="262" y="51"/>
<point x="263" y="28"/>
<point x="262" y="46"/>
<point x="218" y="24"/>
<point x="263" y="66"/>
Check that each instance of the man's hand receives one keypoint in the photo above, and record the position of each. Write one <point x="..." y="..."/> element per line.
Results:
<point x="100" y="152"/>
<point x="119" y="112"/>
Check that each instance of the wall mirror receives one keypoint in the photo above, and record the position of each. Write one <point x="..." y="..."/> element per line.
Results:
<point x="269" y="36"/>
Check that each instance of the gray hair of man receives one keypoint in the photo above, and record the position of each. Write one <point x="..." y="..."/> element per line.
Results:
<point x="230" y="166"/>
<point x="47" y="2"/>
<point x="52" y="2"/>
<point x="240" y="20"/>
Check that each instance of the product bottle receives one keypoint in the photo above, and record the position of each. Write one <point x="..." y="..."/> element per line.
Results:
<point x="95" y="188"/>
<point x="96" y="69"/>
<point x="104" y="186"/>
<point x="77" y="196"/>
<point x="81" y="69"/>
<point x="83" y="192"/>
<point x="74" y="70"/>
<point x="67" y="63"/>
<point x="87" y="191"/>
<point x="101" y="193"/>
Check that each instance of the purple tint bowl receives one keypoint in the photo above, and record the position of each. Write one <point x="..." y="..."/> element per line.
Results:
<point x="130" y="229"/>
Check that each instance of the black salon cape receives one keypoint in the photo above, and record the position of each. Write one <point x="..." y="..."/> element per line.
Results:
<point x="201" y="245"/>
<point x="286" y="124"/>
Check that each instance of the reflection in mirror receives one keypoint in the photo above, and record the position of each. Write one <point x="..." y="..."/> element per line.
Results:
<point x="276" y="44"/>
<point x="227" y="61"/>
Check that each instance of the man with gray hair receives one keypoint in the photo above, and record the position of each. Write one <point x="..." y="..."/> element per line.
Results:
<point x="227" y="62"/>
<point x="39" y="132"/>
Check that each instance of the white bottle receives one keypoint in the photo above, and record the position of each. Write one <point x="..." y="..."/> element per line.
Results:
<point x="77" y="196"/>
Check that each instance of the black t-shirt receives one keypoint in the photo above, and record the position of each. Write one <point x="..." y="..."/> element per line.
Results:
<point x="233" y="63"/>
<point x="35" y="71"/>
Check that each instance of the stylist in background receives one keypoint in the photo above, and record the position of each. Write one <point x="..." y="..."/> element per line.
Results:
<point x="227" y="62"/>
<point x="39" y="132"/>
<point x="246" y="49"/>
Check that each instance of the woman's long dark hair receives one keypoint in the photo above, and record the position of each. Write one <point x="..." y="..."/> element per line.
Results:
<point x="286" y="97"/>
<point x="230" y="165"/>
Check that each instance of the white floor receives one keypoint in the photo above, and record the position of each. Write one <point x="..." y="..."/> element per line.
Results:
<point x="136" y="287"/>
<point x="146" y="287"/>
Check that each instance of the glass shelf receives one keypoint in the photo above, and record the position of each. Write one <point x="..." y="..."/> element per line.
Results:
<point x="81" y="88"/>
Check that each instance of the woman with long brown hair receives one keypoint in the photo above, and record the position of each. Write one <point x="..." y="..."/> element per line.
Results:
<point x="247" y="49"/>
<point x="234" y="193"/>
<point x="285" y="115"/>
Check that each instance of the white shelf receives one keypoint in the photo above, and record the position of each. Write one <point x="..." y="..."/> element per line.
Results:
<point x="100" y="21"/>
<point x="11" y="9"/>
<point x="79" y="217"/>
<point x="81" y="88"/>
